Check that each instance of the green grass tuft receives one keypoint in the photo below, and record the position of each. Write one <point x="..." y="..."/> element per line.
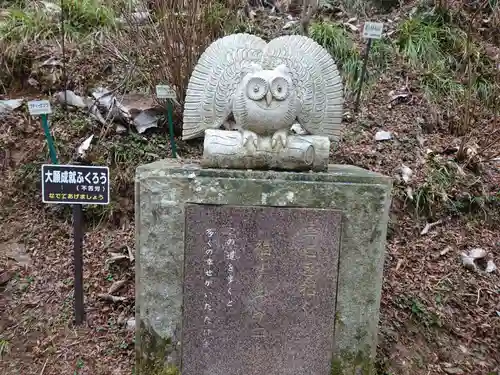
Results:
<point x="33" y="24"/>
<point x="37" y="22"/>
<point x="86" y="16"/>
<point x="434" y="192"/>
<point x="4" y="347"/>
<point x="346" y="54"/>
<point x="441" y="53"/>
<point x="335" y="39"/>
<point x="428" y="43"/>
<point x="338" y="42"/>
<point x="449" y="190"/>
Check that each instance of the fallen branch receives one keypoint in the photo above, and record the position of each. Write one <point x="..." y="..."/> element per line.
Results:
<point x="116" y="257"/>
<point x="130" y="254"/>
<point x="309" y="7"/>
<point x="110" y="298"/>
<point x="429" y="226"/>
<point x="44" y="365"/>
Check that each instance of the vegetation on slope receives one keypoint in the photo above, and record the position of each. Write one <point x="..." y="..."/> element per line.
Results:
<point x="440" y="63"/>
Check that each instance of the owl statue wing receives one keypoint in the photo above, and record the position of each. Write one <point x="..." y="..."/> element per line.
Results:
<point x="215" y="79"/>
<point x="316" y="79"/>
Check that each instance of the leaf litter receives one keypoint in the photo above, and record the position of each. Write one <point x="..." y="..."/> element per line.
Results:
<point x="436" y="315"/>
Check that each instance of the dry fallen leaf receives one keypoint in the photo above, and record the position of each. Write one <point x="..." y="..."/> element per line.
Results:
<point x="122" y="318"/>
<point x="5" y="277"/>
<point x="131" y="324"/>
<point x="84" y="147"/>
<point x="71" y="99"/>
<point x="406" y="173"/>
<point x="445" y="251"/>
<point x="475" y="260"/>
<point x="10" y="105"/>
<point x="17" y="252"/>
<point x="130" y="254"/>
<point x="399" y="264"/>
<point x="351" y="26"/>
<point x="116" y="257"/>
<point x="116" y="286"/>
<point x="477" y="253"/>
<point x="454" y="370"/>
<point x="490" y="267"/>
<point x="409" y="192"/>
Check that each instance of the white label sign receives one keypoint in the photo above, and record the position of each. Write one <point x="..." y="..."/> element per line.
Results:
<point x="373" y="30"/>
<point x="165" y="92"/>
<point x="39" y="107"/>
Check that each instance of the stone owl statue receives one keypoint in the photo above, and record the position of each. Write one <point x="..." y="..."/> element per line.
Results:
<point x="266" y="87"/>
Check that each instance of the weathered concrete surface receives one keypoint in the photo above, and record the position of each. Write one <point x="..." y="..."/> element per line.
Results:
<point x="276" y="314"/>
<point x="162" y="189"/>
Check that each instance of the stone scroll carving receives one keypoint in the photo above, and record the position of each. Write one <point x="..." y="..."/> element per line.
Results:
<point x="224" y="149"/>
<point x="241" y="83"/>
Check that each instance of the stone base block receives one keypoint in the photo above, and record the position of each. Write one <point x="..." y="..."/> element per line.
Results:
<point x="359" y="202"/>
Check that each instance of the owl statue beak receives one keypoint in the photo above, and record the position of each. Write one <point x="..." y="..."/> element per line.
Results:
<point x="269" y="98"/>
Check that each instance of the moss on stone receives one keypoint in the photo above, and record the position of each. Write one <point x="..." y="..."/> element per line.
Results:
<point x="337" y="367"/>
<point x="158" y="370"/>
<point x="352" y="364"/>
<point x="338" y="318"/>
<point x="361" y="333"/>
<point x="152" y="352"/>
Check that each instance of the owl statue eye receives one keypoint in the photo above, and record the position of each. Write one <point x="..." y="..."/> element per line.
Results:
<point x="257" y="88"/>
<point x="280" y="88"/>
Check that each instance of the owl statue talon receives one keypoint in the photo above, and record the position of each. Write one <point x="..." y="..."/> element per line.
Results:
<point x="249" y="136"/>
<point x="282" y="136"/>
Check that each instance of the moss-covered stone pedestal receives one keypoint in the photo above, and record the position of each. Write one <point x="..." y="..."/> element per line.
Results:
<point x="164" y="188"/>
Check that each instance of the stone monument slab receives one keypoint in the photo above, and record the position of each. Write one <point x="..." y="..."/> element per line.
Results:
<point x="258" y="285"/>
<point x="165" y="191"/>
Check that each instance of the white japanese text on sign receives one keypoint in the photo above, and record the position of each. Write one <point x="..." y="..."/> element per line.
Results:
<point x="39" y="107"/>
<point x="75" y="184"/>
<point x="230" y="255"/>
<point x="208" y="273"/>
<point x="165" y="92"/>
<point x="373" y="30"/>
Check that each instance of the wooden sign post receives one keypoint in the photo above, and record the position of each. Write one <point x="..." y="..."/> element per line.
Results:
<point x="371" y="30"/>
<point x="167" y="93"/>
<point x="42" y="108"/>
<point x="76" y="185"/>
<point x="71" y="184"/>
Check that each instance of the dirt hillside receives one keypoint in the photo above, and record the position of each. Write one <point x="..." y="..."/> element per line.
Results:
<point x="428" y="117"/>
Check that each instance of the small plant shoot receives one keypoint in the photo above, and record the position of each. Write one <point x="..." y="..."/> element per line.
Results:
<point x="167" y="93"/>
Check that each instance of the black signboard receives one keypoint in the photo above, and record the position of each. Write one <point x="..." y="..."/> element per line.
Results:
<point x="75" y="184"/>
